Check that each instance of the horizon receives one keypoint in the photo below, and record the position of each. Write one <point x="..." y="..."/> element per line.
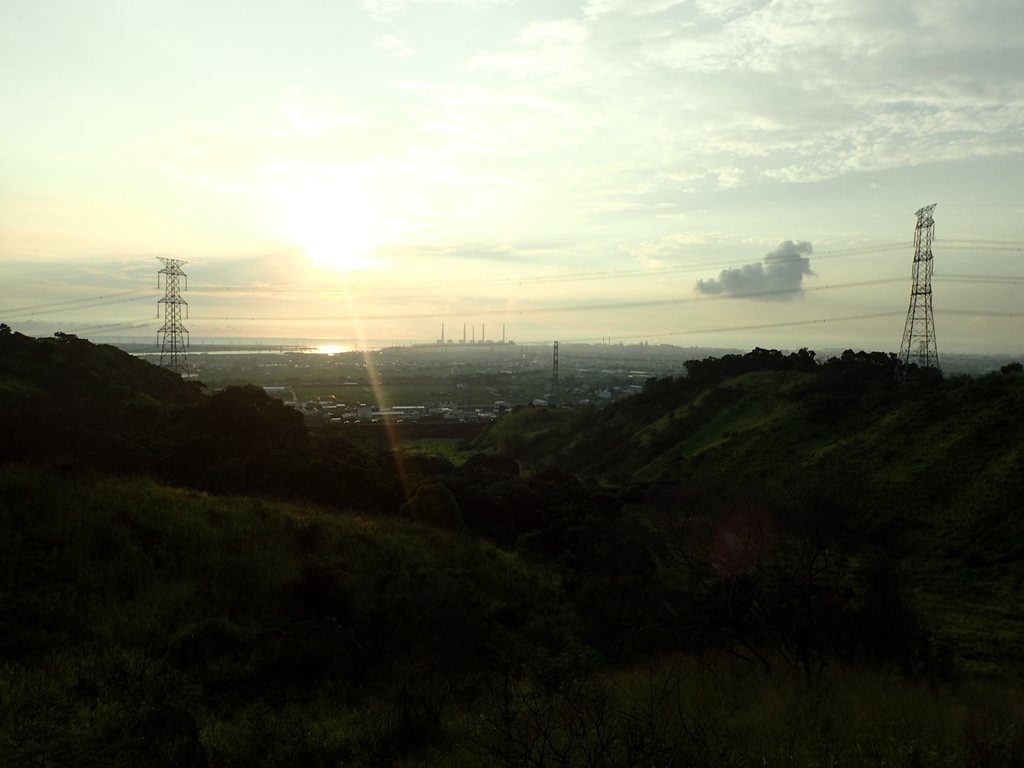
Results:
<point x="335" y="345"/>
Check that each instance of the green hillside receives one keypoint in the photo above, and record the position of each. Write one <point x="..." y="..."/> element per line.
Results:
<point x="786" y="563"/>
<point x="144" y="622"/>
<point x="931" y="471"/>
<point x="146" y="625"/>
<point x="936" y="460"/>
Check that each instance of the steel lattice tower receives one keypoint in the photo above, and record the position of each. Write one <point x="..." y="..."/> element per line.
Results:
<point x="174" y="342"/>
<point x="554" y="369"/>
<point x="919" y="344"/>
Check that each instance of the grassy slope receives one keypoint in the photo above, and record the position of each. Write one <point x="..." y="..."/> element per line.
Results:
<point x="66" y="399"/>
<point x="124" y="605"/>
<point x="69" y="367"/>
<point x="144" y="625"/>
<point x="933" y="472"/>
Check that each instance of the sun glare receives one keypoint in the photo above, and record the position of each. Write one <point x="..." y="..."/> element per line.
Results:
<point x="335" y="222"/>
<point x="331" y="349"/>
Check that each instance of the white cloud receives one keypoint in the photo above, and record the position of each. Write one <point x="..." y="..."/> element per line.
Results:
<point x="629" y="103"/>
<point x="596" y="8"/>
<point x="384" y="9"/>
<point x="314" y="117"/>
<point x="668" y="249"/>
<point x="483" y="120"/>
<point x="782" y="89"/>
<point x="394" y="45"/>
<point x="778" y="278"/>
<point x="549" y="48"/>
<point x="600" y="116"/>
<point x="725" y="9"/>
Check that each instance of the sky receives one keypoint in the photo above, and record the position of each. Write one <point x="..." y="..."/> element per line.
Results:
<point x="729" y="173"/>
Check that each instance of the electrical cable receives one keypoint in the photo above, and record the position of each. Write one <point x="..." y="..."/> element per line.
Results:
<point x="19" y="310"/>
<point x="759" y="326"/>
<point x="570" y="277"/>
<point x="111" y="327"/>
<point x="576" y="308"/>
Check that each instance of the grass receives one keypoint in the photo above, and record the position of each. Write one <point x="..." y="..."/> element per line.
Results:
<point x="932" y="474"/>
<point x="861" y="718"/>
<point x="452" y="449"/>
<point x="159" y="626"/>
<point x="141" y="624"/>
<point x="125" y="605"/>
<point x="680" y="711"/>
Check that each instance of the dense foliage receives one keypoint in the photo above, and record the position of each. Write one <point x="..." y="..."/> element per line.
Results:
<point x="927" y="473"/>
<point x="144" y="625"/>
<point x="776" y="529"/>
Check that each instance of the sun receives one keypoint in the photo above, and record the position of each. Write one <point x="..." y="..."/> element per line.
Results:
<point x="335" y="221"/>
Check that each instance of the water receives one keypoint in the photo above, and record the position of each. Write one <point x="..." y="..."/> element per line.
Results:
<point x="245" y="346"/>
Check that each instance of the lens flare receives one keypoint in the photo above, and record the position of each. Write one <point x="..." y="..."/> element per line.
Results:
<point x="331" y="349"/>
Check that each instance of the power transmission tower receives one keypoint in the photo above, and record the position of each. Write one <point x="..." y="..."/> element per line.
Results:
<point x="172" y="347"/>
<point x="554" y="370"/>
<point x="919" y="344"/>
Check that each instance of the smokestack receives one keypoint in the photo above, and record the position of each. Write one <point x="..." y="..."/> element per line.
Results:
<point x="483" y="332"/>
<point x="442" y="333"/>
<point x="474" y="334"/>
<point x="463" y="333"/>
<point x="502" y="333"/>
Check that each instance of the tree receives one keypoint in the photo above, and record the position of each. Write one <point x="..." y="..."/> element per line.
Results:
<point x="561" y="711"/>
<point x="733" y="579"/>
<point x="434" y="504"/>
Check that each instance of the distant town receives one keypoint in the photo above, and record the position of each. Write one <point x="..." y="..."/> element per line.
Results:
<point x="460" y="382"/>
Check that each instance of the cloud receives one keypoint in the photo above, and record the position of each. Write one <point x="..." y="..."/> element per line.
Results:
<point x="782" y="270"/>
<point x="667" y="250"/>
<point x="313" y="116"/>
<point x="475" y="119"/>
<point x="628" y="7"/>
<point x="736" y="92"/>
<point x="602" y="112"/>
<point x="544" y="49"/>
<point x="484" y="252"/>
<point x="394" y="45"/>
<point x="383" y="9"/>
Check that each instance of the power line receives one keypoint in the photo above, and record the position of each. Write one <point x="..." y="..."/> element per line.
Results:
<point x="74" y="305"/>
<point x="787" y="324"/>
<point x="944" y="241"/>
<point x="979" y="313"/>
<point x="1014" y="245"/>
<point x="761" y="326"/>
<point x="569" y="277"/>
<point x="62" y="307"/>
<point x="990" y="279"/>
<point x="723" y="329"/>
<point x="990" y="248"/>
<point x="576" y="308"/>
<point x="539" y="279"/>
<point x="110" y="299"/>
<point x="755" y="327"/>
<point x="111" y="327"/>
